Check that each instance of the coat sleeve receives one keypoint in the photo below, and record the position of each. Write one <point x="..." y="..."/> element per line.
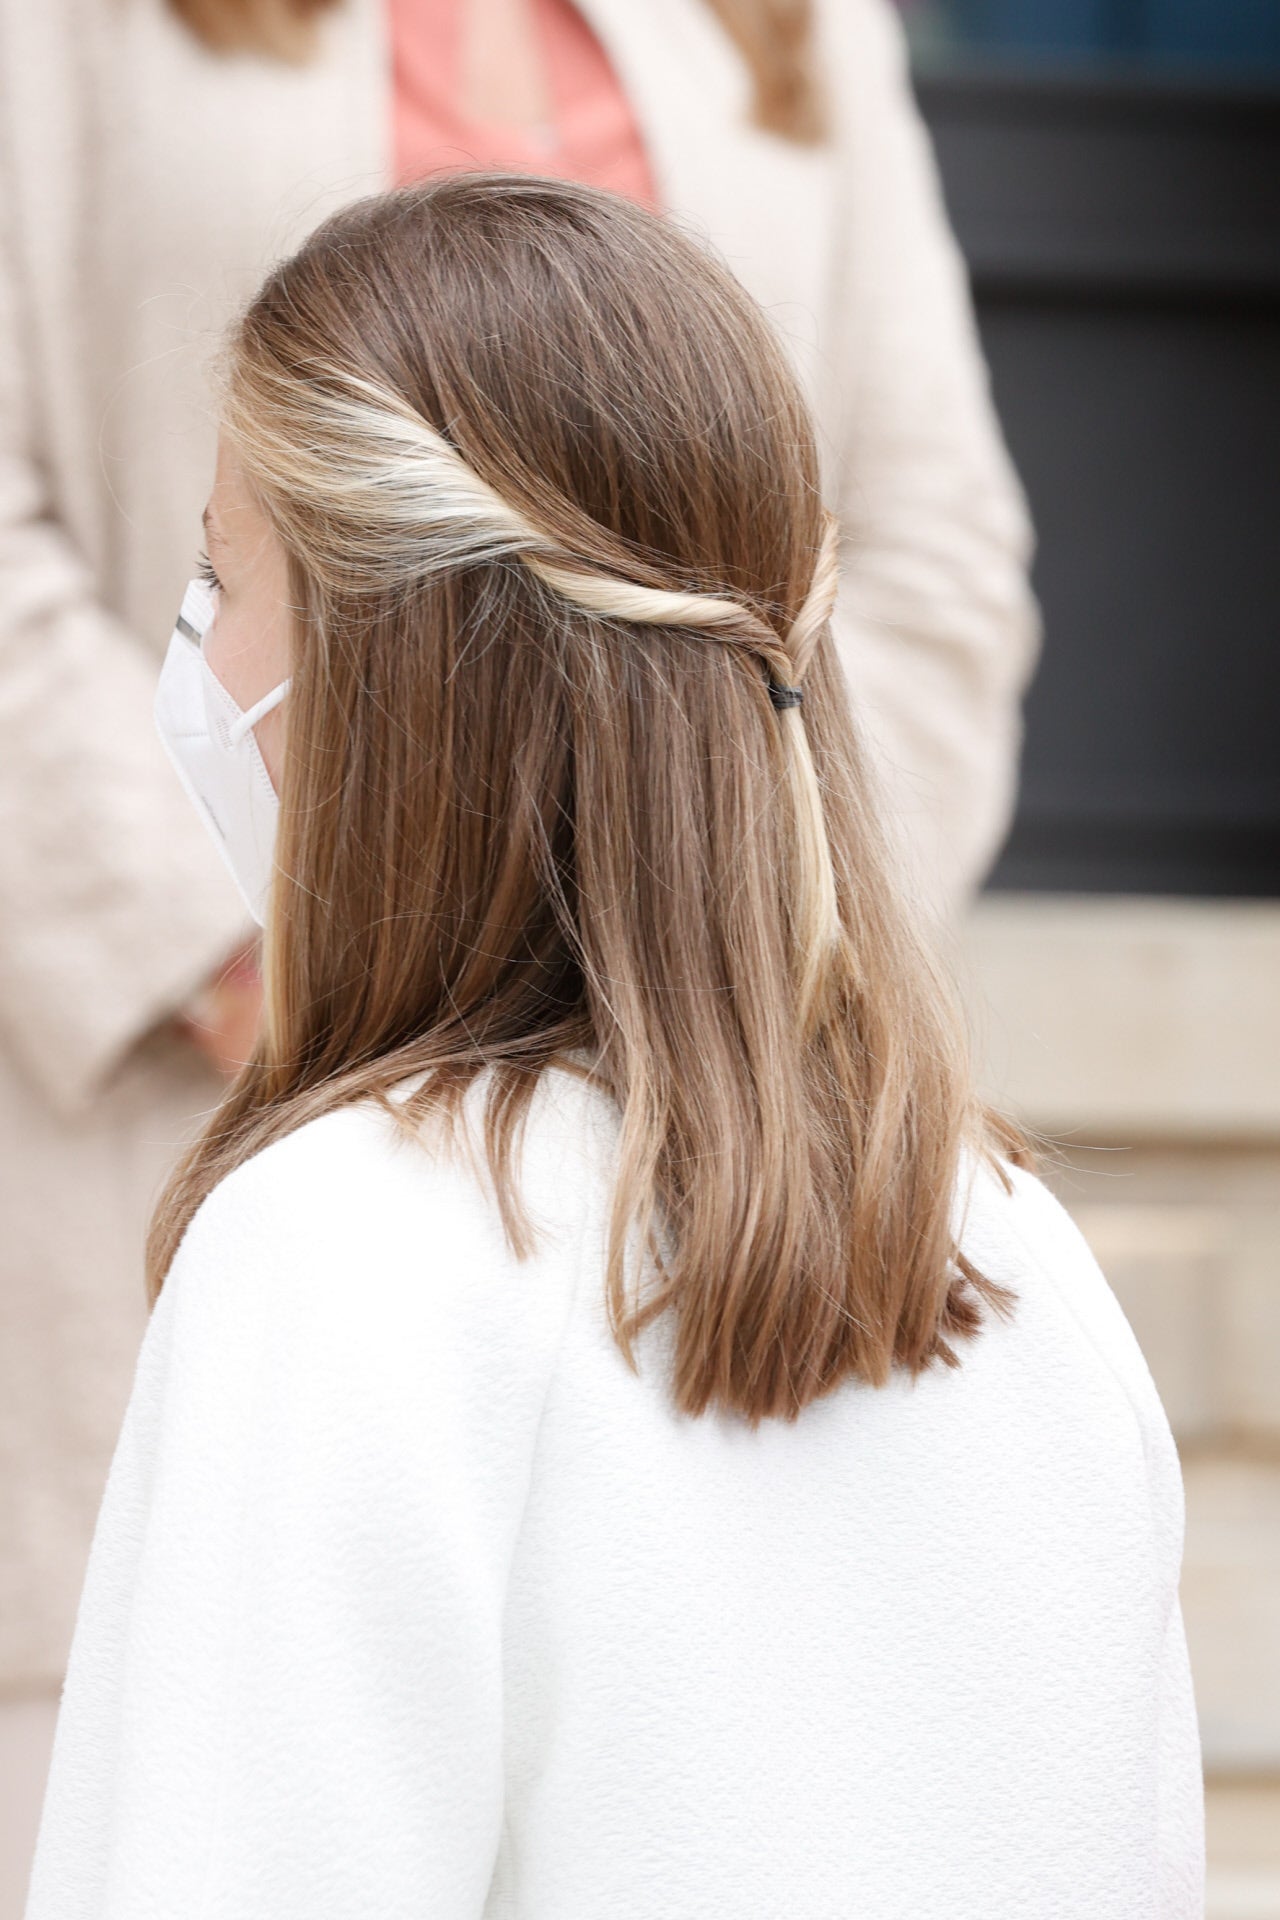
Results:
<point x="937" y="627"/>
<point x="284" y="1695"/>
<point x="114" y="905"/>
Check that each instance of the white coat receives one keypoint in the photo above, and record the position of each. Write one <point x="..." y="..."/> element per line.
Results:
<point x="409" y="1598"/>
<point x="145" y="187"/>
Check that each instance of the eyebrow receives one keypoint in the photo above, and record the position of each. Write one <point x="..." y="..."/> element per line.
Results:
<point x="212" y="530"/>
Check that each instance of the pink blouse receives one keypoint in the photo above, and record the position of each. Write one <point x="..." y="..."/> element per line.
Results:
<point x="593" y="138"/>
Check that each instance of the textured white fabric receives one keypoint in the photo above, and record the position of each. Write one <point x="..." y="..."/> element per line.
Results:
<point x="407" y="1598"/>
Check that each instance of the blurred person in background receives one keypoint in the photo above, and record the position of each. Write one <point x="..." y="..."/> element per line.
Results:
<point x="153" y="159"/>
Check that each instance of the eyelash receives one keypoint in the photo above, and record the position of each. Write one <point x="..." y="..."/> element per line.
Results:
<point x="206" y="571"/>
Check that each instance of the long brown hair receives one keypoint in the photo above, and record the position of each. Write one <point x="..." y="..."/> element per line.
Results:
<point x="774" y="37"/>
<point x="548" y="494"/>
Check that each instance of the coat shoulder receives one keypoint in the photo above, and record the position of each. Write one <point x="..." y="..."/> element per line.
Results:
<point x="358" y="1187"/>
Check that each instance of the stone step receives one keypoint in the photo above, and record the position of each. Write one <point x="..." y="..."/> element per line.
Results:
<point x="1242" y="1842"/>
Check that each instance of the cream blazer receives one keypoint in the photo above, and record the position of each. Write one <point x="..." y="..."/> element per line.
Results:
<point x="145" y="187"/>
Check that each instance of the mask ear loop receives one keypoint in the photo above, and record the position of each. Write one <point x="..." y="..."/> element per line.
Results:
<point x="250" y="718"/>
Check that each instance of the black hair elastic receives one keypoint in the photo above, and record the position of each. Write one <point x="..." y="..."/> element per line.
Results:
<point x="783" y="697"/>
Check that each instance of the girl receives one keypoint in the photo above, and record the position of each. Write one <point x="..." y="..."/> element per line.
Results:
<point x="621" y="1431"/>
<point x="155" y="157"/>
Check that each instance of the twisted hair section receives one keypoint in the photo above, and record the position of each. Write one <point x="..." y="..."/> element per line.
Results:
<point x="411" y="506"/>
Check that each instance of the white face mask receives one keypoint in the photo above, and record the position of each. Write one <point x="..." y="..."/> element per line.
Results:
<point x="218" y="761"/>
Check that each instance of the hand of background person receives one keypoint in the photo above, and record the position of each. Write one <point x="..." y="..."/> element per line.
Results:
<point x="223" y="1019"/>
